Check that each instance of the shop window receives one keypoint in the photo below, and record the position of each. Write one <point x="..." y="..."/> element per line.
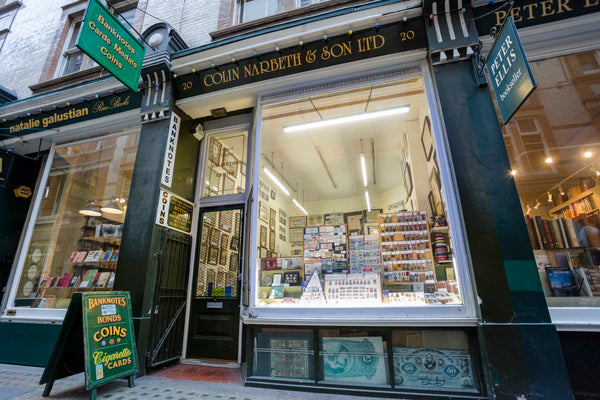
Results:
<point x="76" y="234"/>
<point x="351" y="210"/>
<point x="250" y="10"/>
<point x="218" y="262"/>
<point x="225" y="172"/>
<point x="421" y="359"/>
<point x="560" y="122"/>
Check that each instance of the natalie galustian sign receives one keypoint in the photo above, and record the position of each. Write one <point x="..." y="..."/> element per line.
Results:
<point x="111" y="45"/>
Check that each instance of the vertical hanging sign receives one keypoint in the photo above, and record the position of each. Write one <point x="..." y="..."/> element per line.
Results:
<point x="111" y="45"/>
<point x="170" y="151"/>
<point x="509" y="70"/>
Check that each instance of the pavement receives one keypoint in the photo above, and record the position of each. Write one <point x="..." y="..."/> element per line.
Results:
<point x="21" y="383"/>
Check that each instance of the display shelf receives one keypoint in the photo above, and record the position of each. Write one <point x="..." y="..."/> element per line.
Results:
<point x="110" y="240"/>
<point x="440" y="229"/>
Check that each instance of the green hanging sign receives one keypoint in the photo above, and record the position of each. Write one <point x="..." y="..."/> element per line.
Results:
<point x="109" y="344"/>
<point x="111" y="45"/>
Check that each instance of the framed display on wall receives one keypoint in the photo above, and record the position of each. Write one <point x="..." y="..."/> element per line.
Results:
<point x="264" y="212"/>
<point x="214" y="154"/>
<point x="229" y="163"/>
<point x="427" y="138"/>
<point x="263" y="236"/>
<point x="408" y="183"/>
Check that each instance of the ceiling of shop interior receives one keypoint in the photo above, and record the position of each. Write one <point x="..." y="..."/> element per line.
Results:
<point x="296" y="157"/>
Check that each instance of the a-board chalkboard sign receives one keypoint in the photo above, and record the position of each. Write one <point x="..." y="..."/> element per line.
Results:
<point x="96" y="337"/>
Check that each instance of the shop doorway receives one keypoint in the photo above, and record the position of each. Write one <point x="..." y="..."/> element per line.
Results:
<point x="214" y="309"/>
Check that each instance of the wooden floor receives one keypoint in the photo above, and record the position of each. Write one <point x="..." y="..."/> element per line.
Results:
<point x="201" y="373"/>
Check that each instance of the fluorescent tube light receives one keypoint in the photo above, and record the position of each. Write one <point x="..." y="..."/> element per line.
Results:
<point x="270" y="175"/>
<point x="364" y="168"/>
<point x="299" y="206"/>
<point x="345" y="119"/>
<point x="368" y="202"/>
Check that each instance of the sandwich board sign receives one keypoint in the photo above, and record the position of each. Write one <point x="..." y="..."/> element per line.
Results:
<point x="96" y="338"/>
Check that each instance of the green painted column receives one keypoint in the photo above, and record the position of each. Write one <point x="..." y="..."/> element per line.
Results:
<point x="521" y="352"/>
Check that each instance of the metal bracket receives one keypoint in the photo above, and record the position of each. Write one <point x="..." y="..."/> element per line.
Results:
<point x="478" y="61"/>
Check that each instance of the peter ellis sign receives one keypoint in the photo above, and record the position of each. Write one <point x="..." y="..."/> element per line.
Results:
<point x="111" y="45"/>
<point x="510" y="74"/>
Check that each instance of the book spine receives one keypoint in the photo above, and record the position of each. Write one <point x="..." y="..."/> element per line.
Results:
<point x="563" y="233"/>
<point x="571" y="233"/>
<point x="556" y="234"/>
<point x="539" y="229"/>
<point x="548" y="234"/>
<point x="531" y="232"/>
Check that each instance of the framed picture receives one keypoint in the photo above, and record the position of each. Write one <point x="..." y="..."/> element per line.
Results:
<point x="434" y="181"/>
<point x="272" y="219"/>
<point x="263" y="252"/>
<point x="223" y="257"/>
<point x="334" y="219"/>
<point x="289" y="355"/>
<point x="354" y="222"/>
<point x="203" y="253"/>
<point x="431" y="201"/>
<point x="427" y="138"/>
<point x="233" y="262"/>
<point x="315" y="220"/>
<point x="264" y="212"/>
<point x="271" y="254"/>
<point x="224" y="241"/>
<point x="229" y="163"/>
<point x="235" y="243"/>
<point x="372" y="216"/>
<point x="210" y="217"/>
<point x="228" y="185"/>
<point x="291" y="278"/>
<point x="298" y="222"/>
<point x="273" y="194"/>
<point x="296" y="235"/>
<point x="214" y="153"/>
<point x="282" y="217"/>
<point x="213" y="178"/>
<point x="272" y="240"/>
<point x="408" y="183"/>
<point x="213" y="255"/>
<point x="263" y="236"/>
<point x="214" y="237"/>
<point x="226" y="220"/>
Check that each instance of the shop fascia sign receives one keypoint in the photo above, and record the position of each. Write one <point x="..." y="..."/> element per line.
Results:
<point x="71" y="114"/>
<point x="509" y="71"/>
<point x="111" y="45"/>
<point x="329" y="51"/>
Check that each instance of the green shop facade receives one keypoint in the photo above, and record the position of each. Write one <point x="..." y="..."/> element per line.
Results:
<point x="330" y="203"/>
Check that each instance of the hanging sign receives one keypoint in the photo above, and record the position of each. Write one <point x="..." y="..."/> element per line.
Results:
<point x="111" y="45"/>
<point x="170" y="151"/>
<point x="509" y="70"/>
<point x="174" y="212"/>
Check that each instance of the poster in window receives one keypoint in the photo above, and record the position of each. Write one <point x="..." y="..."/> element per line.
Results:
<point x="214" y="154"/>
<point x="408" y="183"/>
<point x="263" y="236"/>
<point x="418" y="368"/>
<point x="272" y="240"/>
<point x="264" y="212"/>
<point x="230" y="163"/>
<point x="427" y="138"/>
<point x="285" y="355"/>
<point x="213" y="255"/>
<point x="354" y="360"/>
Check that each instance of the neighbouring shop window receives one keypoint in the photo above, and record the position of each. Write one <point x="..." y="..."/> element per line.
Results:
<point x="553" y="144"/>
<point x="351" y="210"/>
<point x="225" y="171"/>
<point x="77" y="233"/>
<point x="218" y="262"/>
<point x="250" y="10"/>
<point x="421" y="359"/>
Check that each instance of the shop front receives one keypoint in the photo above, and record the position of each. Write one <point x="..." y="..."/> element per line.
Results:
<point x="329" y="251"/>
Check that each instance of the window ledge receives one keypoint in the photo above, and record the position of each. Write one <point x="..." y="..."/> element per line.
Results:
<point x="256" y="24"/>
<point x="68" y="80"/>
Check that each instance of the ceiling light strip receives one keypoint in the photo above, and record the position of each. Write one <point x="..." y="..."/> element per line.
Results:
<point x="274" y="179"/>
<point x="299" y="206"/>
